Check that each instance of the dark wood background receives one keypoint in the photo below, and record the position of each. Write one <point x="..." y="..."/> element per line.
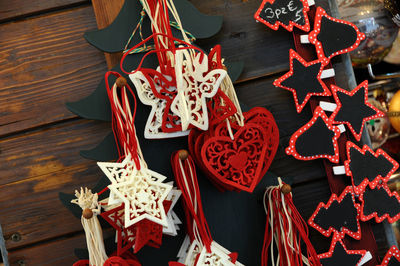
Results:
<point x="45" y="62"/>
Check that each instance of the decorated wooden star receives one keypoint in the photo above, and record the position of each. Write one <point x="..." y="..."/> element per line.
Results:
<point x="195" y="254"/>
<point x="380" y="203"/>
<point x="339" y="216"/>
<point x="218" y="255"/>
<point x="365" y="166"/>
<point x="147" y="233"/>
<point x="392" y="257"/>
<point x="194" y="82"/>
<point x="303" y="80"/>
<point x="141" y="191"/>
<point x="332" y="36"/>
<point x="125" y="236"/>
<point x="172" y="218"/>
<point x="285" y="13"/>
<point x="339" y="255"/>
<point x="317" y="139"/>
<point x="353" y="108"/>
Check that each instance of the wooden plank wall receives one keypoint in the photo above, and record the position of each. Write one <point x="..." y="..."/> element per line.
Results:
<point x="45" y="62"/>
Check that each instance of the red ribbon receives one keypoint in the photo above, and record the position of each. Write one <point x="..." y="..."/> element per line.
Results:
<point x="186" y="179"/>
<point x="295" y="223"/>
<point x="123" y="125"/>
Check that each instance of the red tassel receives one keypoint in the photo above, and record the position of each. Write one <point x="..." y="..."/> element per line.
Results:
<point x="286" y="230"/>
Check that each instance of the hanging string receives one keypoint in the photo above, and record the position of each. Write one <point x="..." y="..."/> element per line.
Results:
<point x="186" y="179"/>
<point x="146" y="48"/>
<point x="285" y="230"/>
<point x="184" y="46"/>
<point x="157" y="12"/>
<point x="138" y="26"/>
<point x="164" y="42"/>
<point x="123" y="120"/>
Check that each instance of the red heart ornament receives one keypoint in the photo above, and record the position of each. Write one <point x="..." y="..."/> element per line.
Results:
<point x="264" y="118"/>
<point x="221" y="155"/>
<point x="257" y="116"/>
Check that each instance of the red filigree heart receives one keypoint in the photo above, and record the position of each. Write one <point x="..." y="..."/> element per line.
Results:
<point x="221" y="155"/>
<point x="264" y="118"/>
<point x="259" y="116"/>
<point x="196" y="140"/>
<point x="238" y="161"/>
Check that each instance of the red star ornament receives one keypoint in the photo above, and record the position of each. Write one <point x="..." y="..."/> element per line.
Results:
<point x="148" y="232"/>
<point x="125" y="236"/>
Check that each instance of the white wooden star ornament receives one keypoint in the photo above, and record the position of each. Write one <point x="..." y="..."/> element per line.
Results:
<point x="196" y="254"/>
<point x="141" y="190"/>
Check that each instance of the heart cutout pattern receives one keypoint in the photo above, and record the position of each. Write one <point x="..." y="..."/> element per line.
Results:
<point x="219" y="152"/>
<point x="258" y="119"/>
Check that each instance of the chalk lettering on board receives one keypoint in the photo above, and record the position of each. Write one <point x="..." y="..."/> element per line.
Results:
<point x="291" y="7"/>
<point x="299" y="15"/>
<point x="269" y="13"/>
<point x="283" y="11"/>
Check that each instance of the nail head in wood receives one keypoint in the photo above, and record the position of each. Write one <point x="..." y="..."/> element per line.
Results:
<point x="183" y="154"/>
<point x="16" y="237"/>
<point x="87" y="213"/>
<point x="121" y="82"/>
<point x="286" y="189"/>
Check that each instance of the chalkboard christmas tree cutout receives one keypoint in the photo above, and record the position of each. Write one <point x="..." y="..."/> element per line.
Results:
<point x="353" y="108"/>
<point x="303" y="80"/>
<point x="380" y="203"/>
<point x="339" y="255"/>
<point x="340" y="215"/>
<point x="317" y="139"/>
<point x="365" y="166"/>
<point x="332" y="36"/>
<point x="285" y="13"/>
<point x="392" y="257"/>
